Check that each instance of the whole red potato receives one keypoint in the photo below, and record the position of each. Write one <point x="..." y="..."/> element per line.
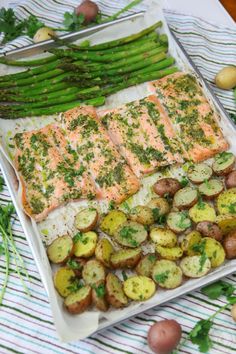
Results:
<point x="164" y="336"/>
<point x="89" y="9"/>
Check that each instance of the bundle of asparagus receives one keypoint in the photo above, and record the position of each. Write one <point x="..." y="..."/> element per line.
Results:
<point x="83" y="75"/>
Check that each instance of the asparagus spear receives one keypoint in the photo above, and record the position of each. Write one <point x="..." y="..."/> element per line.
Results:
<point x="34" y="62"/>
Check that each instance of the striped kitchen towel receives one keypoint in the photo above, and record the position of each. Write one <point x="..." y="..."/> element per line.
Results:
<point x="26" y="324"/>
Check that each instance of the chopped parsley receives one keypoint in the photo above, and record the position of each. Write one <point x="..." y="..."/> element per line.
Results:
<point x="162" y="277"/>
<point x="127" y="233"/>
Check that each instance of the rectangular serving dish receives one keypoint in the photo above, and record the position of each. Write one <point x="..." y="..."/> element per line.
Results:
<point x="78" y="327"/>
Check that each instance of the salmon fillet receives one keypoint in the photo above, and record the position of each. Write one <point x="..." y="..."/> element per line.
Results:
<point x="113" y="177"/>
<point x="191" y="114"/>
<point x="143" y="134"/>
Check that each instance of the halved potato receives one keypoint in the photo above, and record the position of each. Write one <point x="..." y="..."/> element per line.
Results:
<point x="139" y="288"/>
<point x="160" y="205"/>
<point x="99" y="296"/>
<point x="103" y="251"/>
<point x="63" y="279"/>
<point x="214" y="251"/>
<point x="146" y="264"/>
<point x="131" y="234"/>
<point x="199" y="173"/>
<point x="163" y="237"/>
<point x="211" y="189"/>
<point x="112" y="221"/>
<point x="93" y="272"/>
<point x="226" y="223"/>
<point x="178" y="221"/>
<point x="86" y="219"/>
<point x="189" y="240"/>
<point x="79" y="301"/>
<point x="226" y="202"/>
<point x="195" y="266"/>
<point x="166" y="186"/>
<point x="114" y="291"/>
<point x="77" y="264"/>
<point x="202" y="212"/>
<point x="185" y="198"/>
<point x="60" y="250"/>
<point x="170" y="253"/>
<point x="224" y="163"/>
<point x="126" y="258"/>
<point x="142" y="214"/>
<point x="210" y="229"/>
<point x="85" y="244"/>
<point x="167" y="274"/>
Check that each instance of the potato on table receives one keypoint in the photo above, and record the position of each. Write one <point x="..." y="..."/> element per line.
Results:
<point x="167" y="274"/>
<point x="112" y="221"/>
<point x="77" y="302"/>
<point x="210" y="229"/>
<point x="211" y="189"/>
<point x="189" y="240"/>
<point x="85" y="244"/>
<point x="93" y="272"/>
<point x="142" y="214"/>
<point x="103" y="251"/>
<point x="63" y="280"/>
<point x="166" y="186"/>
<point x="214" y="251"/>
<point x="223" y="163"/>
<point x="226" y="202"/>
<point x="131" y="234"/>
<point x="229" y="245"/>
<point x="202" y="212"/>
<point x="126" y="258"/>
<point x="230" y="180"/>
<point x="139" y="288"/>
<point x="146" y="264"/>
<point x="114" y="291"/>
<point x="86" y="219"/>
<point x="195" y="266"/>
<point x="163" y="237"/>
<point x="226" y="223"/>
<point x="61" y="249"/>
<point x="178" y="221"/>
<point x="159" y="206"/>
<point x="99" y="296"/>
<point x="199" y="173"/>
<point x="185" y="198"/>
<point x="170" y="253"/>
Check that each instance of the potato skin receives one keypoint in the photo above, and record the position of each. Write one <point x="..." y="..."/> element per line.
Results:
<point x="126" y="262"/>
<point x="100" y="302"/>
<point x="209" y="229"/>
<point x="89" y="9"/>
<point x="229" y="245"/>
<point x="54" y="249"/>
<point x="166" y="186"/>
<point x="230" y="180"/>
<point x="103" y="251"/>
<point x="93" y="272"/>
<point x="114" y="291"/>
<point x="161" y="204"/>
<point x="81" y="305"/>
<point x="72" y="265"/>
<point x="146" y="264"/>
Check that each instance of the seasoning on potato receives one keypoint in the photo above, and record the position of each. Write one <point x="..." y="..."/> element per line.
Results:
<point x="226" y="78"/>
<point x="60" y="250"/>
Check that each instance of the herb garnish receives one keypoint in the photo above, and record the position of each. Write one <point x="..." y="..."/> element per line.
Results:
<point x="127" y="233"/>
<point x="79" y="237"/>
<point x="162" y="277"/>
<point x="184" y="181"/>
<point x="75" y="285"/>
<point x="200" y="248"/>
<point x="124" y="275"/>
<point x="73" y="264"/>
<point x="100" y="290"/>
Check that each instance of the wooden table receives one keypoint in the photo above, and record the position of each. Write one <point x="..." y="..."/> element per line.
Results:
<point x="230" y="6"/>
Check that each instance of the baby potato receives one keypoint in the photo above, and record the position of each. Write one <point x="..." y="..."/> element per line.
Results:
<point x="211" y="189"/>
<point x="230" y="180"/>
<point x="185" y="198"/>
<point x="192" y="266"/>
<point x="93" y="272"/>
<point x="86" y="219"/>
<point x="77" y="302"/>
<point x="63" y="279"/>
<point x="146" y="264"/>
<point x="178" y="221"/>
<point x="103" y="251"/>
<point x="142" y="214"/>
<point x="229" y="245"/>
<point x="226" y="202"/>
<point x="214" y="251"/>
<point x="60" y="250"/>
<point x="209" y="229"/>
<point x="202" y="212"/>
<point x="114" y="291"/>
<point x="131" y="234"/>
<point x="166" y="186"/>
<point x="139" y="288"/>
<point x="159" y="204"/>
<point x="112" y="221"/>
<point x="170" y="253"/>
<point x="77" y="264"/>
<point x="199" y="173"/>
<point x="85" y="244"/>
<point x="98" y="296"/>
<point x="126" y="258"/>
<point x="167" y="274"/>
<point x="226" y="78"/>
<point x="43" y="34"/>
<point x="163" y="237"/>
<point x="226" y="223"/>
<point x="189" y="240"/>
<point x="223" y="163"/>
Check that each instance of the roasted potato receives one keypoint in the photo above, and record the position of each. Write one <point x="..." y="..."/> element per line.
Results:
<point x="63" y="280"/>
<point x="189" y="240"/>
<point x="126" y="258"/>
<point x="226" y="223"/>
<point x="86" y="219"/>
<point x="142" y="214"/>
<point x="131" y="234"/>
<point x="229" y="245"/>
<point x="99" y="296"/>
<point x="211" y="189"/>
<point x="114" y="291"/>
<point x="199" y="173"/>
<point x="167" y="274"/>
<point x="209" y="229"/>
<point x="163" y="237"/>
<point x="77" y="302"/>
<point x="185" y="198"/>
<point x="170" y="253"/>
<point x="202" y="212"/>
<point x="178" y="221"/>
<point x="223" y="163"/>
<point x="77" y="264"/>
<point x="103" y="251"/>
<point x="230" y="180"/>
<point x="146" y="264"/>
<point x="139" y="288"/>
<point x="166" y="186"/>
<point x="195" y="266"/>
<point x="60" y="250"/>
<point x="160" y="205"/>
<point x="226" y="202"/>
<point x="112" y="221"/>
<point x="214" y="251"/>
<point x="85" y="244"/>
<point x="93" y="272"/>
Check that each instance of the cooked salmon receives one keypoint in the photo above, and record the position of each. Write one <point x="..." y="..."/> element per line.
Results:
<point x="191" y="114"/>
